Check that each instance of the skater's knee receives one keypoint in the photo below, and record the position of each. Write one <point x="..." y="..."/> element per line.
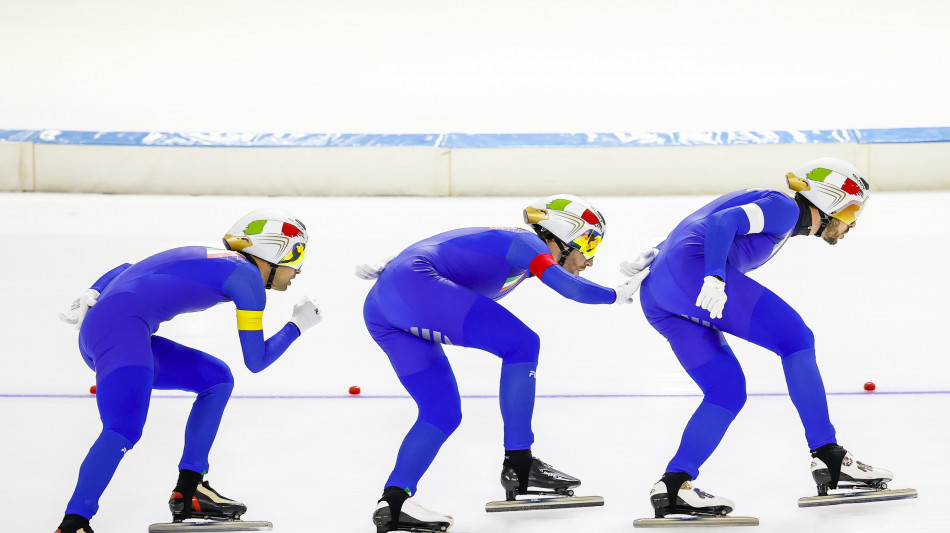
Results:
<point x="725" y="387"/>
<point x="220" y="391"/>
<point x="732" y="400"/>
<point x="449" y="422"/>
<point x="123" y="438"/>
<point x="802" y="339"/>
<point x="215" y="372"/>
<point x="220" y="379"/>
<point x="524" y="348"/>
<point x="779" y="328"/>
<point x="447" y="416"/>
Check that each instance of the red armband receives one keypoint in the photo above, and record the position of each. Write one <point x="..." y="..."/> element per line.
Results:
<point x="541" y="263"/>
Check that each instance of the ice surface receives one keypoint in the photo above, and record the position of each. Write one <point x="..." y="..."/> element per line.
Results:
<point x="304" y="454"/>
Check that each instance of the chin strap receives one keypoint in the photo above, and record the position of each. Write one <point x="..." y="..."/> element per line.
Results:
<point x="273" y="269"/>
<point x="565" y="251"/>
<point x="803" y="227"/>
<point x="825" y="219"/>
<point x="270" y="278"/>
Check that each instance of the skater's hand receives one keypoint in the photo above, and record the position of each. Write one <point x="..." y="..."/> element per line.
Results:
<point x="712" y="297"/>
<point x="306" y="314"/>
<point x="645" y="259"/>
<point x="627" y="289"/>
<point x="77" y="310"/>
<point x="370" y="272"/>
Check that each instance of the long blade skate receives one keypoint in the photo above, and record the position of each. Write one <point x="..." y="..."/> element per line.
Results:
<point x="701" y="521"/>
<point x="544" y="500"/>
<point x="218" y="525"/>
<point x="859" y="496"/>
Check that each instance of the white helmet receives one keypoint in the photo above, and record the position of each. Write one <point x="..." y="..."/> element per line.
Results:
<point x="573" y="220"/>
<point x="273" y="235"/>
<point x="837" y="188"/>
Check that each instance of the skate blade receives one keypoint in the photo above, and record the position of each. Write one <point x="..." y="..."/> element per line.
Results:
<point x="220" y="525"/>
<point x="699" y="521"/>
<point x="557" y="502"/>
<point x="418" y="529"/>
<point x="857" y="497"/>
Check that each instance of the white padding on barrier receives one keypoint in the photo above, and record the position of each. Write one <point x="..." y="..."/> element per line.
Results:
<point x="637" y="170"/>
<point x="436" y="171"/>
<point x="10" y="167"/>
<point x="404" y="171"/>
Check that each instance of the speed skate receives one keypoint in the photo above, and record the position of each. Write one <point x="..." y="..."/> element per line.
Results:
<point x="678" y="503"/>
<point x="208" y="511"/>
<point x="557" y="490"/>
<point x="859" y="482"/>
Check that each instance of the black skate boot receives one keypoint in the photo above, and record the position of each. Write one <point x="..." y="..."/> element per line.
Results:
<point x="395" y="511"/>
<point x="202" y="501"/>
<point x="521" y="472"/>
<point x="74" y="523"/>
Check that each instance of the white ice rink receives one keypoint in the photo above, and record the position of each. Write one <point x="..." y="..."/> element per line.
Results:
<point x="305" y="455"/>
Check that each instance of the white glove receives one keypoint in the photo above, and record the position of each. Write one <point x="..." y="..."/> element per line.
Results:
<point x="77" y="310"/>
<point x="627" y="289"/>
<point x="712" y="296"/>
<point x="370" y="272"/>
<point x="306" y="314"/>
<point x="645" y="259"/>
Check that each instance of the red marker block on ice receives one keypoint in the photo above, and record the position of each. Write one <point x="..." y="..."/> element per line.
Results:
<point x="354" y="389"/>
<point x="869" y="386"/>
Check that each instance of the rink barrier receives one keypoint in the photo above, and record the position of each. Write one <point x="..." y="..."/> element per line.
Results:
<point x="454" y="164"/>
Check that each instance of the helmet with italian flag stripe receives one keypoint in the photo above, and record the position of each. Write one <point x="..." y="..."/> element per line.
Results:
<point x="572" y="219"/>
<point x="273" y="235"/>
<point x="837" y="188"/>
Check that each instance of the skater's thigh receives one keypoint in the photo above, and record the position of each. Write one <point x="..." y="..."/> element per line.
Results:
<point x="419" y="300"/>
<point x="179" y="367"/>
<point x="407" y="353"/>
<point x="115" y="338"/>
<point x="774" y="325"/>
<point x="490" y="327"/>
<point x="693" y="343"/>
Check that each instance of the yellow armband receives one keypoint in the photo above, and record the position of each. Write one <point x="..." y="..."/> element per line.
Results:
<point x="250" y="320"/>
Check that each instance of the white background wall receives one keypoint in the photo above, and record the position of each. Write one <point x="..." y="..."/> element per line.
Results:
<point x="434" y="66"/>
<point x="426" y="66"/>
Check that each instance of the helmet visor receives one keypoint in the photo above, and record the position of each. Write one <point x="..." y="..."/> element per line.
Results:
<point x="295" y="256"/>
<point x="850" y="213"/>
<point x="587" y="243"/>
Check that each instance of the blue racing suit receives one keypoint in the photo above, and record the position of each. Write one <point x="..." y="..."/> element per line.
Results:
<point x="732" y="235"/>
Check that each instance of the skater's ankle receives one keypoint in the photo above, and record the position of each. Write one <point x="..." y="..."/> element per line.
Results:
<point x="831" y="455"/>
<point x="673" y="482"/>
<point x="74" y="522"/>
<point x="520" y="461"/>
<point x="392" y="494"/>
<point x="394" y="497"/>
<point x="826" y="448"/>
<point x="188" y="480"/>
